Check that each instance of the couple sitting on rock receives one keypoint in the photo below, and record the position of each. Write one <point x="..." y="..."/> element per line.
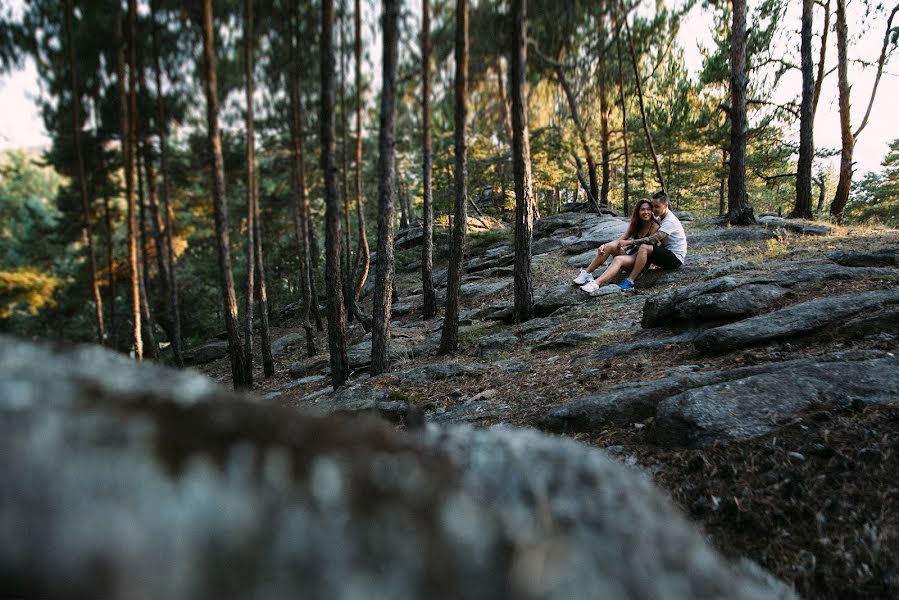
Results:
<point x="653" y="236"/>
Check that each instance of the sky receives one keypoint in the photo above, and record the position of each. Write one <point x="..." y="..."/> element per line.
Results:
<point x="21" y="124"/>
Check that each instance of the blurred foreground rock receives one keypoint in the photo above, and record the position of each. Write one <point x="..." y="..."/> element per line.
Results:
<point x="122" y="480"/>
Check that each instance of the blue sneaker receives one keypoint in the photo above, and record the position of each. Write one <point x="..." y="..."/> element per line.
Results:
<point x="627" y="284"/>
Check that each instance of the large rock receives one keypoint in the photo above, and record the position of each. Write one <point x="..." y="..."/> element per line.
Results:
<point x="123" y="480"/>
<point x="739" y="400"/>
<point x="438" y="371"/>
<point x="548" y="300"/>
<point x="206" y="353"/>
<point x="749" y="406"/>
<point x="881" y="258"/>
<point x="605" y="231"/>
<point x="797" y="320"/>
<point x="794" y="226"/>
<point x="477" y="289"/>
<point x="280" y="345"/>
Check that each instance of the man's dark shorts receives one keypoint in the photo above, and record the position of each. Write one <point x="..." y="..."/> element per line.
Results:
<point x="664" y="258"/>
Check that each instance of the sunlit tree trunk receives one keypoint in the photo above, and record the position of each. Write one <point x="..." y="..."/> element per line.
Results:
<point x="128" y="163"/>
<point x="521" y="164"/>
<point x="347" y="262"/>
<point x="387" y="189"/>
<point x="336" y="313"/>
<point x="739" y="211"/>
<point x="449" y="338"/>
<point x="147" y="325"/>
<point x="429" y="295"/>
<point x="82" y="179"/>
<point x="220" y="208"/>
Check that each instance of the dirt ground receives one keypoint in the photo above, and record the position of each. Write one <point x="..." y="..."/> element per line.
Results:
<point x="815" y="502"/>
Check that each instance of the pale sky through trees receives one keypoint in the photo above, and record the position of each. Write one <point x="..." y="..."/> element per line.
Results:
<point x="21" y="124"/>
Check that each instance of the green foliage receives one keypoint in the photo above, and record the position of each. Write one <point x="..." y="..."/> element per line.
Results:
<point x="875" y="199"/>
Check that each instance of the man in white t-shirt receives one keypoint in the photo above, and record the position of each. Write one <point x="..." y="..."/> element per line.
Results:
<point x="666" y="248"/>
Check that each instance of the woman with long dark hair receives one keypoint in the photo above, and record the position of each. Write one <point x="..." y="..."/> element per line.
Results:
<point x="642" y="224"/>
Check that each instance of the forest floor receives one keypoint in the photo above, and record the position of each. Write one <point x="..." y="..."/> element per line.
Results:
<point x="815" y="501"/>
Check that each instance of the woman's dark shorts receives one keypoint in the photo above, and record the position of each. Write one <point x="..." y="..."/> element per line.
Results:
<point x="664" y="258"/>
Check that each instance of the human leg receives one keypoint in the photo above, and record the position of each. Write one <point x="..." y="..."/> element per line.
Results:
<point x="602" y="254"/>
<point x="622" y="261"/>
<point x="640" y="260"/>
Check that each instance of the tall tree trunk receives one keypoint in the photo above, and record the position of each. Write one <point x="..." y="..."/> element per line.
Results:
<point x="110" y="267"/>
<point x="722" y="185"/>
<point x="847" y="136"/>
<point x="220" y="208"/>
<point x="521" y="164"/>
<point x="429" y="295"/>
<point x="639" y="87"/>
<point x="147" y="325"/>
<point x="623" y="102"/>
<point x="404" y="216"/>
<point x="298" y="185"/>
<point x="505" y="109"/>
<point x="363" y="257"/>
<point x="819" y="80"/>
<point x="336" y="314"/>
<point x="82" y="178"/>
<point x="387" y="189"/>
<point x="168" y="213"/>
<point x="821" y="192"/>
<point x="128" y="163"/>
<point x="347" y="263"/>
<point x="157" y="226"/>
<point x="581" y="131"/>
<point x="739" y="211"/>
<point x="803" y="206"/>
<point x="449" y="337"/>
<point x="268" y="363"/>
<point x="252" y="192"/>
<point x="604" y="138"/>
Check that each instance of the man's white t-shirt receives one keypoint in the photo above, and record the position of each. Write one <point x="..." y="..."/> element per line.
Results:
<point x="676" y="241"/>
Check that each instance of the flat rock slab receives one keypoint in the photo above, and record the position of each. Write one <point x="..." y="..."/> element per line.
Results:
<point x="633" y="403"/>
<point x="881" y="258"/>
<point x="547" y="225"/>
<point x="544" y="245"/>
<point x="360" y="398"/>
<point x="102" y="454"/>
<point x="794" y="226"/>
<point x="496" y="344"/>
<point x="729" y="235"/>
<point x="317" y="365"/>
<point x="747" y="407"/>
<point x="470" y="412"/>
<point x="797" y="320"/>
<point x="606" y="231"/>
<point x="570" y="339"/>
<point x="280" y="345"/>
<point x="438" y="371"/>
<point x="738" y="296"/>
<point x="548" y="300"/>
<point x="487" y="273"/>
<point x="481" y="289"/>
<point x="206" y="353"/>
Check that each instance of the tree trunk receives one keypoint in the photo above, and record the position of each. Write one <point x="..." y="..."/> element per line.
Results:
<point x="739" y="211"/>
<point x="168" y="216"/>
<point x="581" y="130"/>
<point x="110" y="267"/>
<point x="603" y="120"/>
<point x="347" y="262"/>
<point x="220" y="208"/>
<point x="803" y="206"/>
<point x="639" y="86"/>
<point x="128" y="163"/>
<point x="298" y="186"/>
<point x="363" y="256"/>
<point x="722" y="186"/>
<point x="404" y="213"/>
<point x="387" y="191"/>
<point x="848" y="142"/>
<point x="505" y="110"/>
<point x="336" y="312"/>
<point x="623" y="102"/>
<point x="819" y="80"/>
<point x="252" y="191"/>
<point x="521" y="163"/>
<point x="821" y="193"/>
<point x="429" y="295"/>
<point x="147" y="325"/>
<point x="449" y="337"/>
<point x="82" y="179"/>
<point x="847" y="135"/>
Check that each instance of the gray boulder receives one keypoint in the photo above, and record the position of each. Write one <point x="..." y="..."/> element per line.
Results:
<point x="180" y="489"/>
<point x="280" y="345"/>
<point x="880" y="258"/>
<point x="797" y="320"/>
<point x="206" y="353"/>
<point x="548" y="300"/>
<point x="772" y="222"/>
<point x="749" y="406"/>
<point x="438" y="371"/>
<point x="478" y="289"/>
<point x="494" y="344"/>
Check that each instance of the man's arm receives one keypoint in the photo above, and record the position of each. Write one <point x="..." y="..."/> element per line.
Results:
<point x="657" y="238"/>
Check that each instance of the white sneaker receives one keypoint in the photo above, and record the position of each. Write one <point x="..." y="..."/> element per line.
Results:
<point x="590" y="286"/>
<point x="583" y="277"/>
